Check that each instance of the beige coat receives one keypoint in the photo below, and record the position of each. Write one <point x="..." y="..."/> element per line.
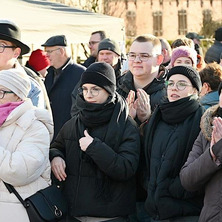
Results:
<point x="24" y="157"/>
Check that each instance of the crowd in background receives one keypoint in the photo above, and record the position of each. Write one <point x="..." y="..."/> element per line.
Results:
<point x="133" y="137"/>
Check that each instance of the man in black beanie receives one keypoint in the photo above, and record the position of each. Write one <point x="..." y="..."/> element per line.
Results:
<point x="213" y="53"/>
<point x="109" y="52"/>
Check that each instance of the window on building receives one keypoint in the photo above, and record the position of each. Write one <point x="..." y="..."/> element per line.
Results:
<point x="182" y="22"/>
<point x="157" y="23"/>
<point x="131" y="23"/>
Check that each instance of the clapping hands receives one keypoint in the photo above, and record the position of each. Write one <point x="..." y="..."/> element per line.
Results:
<point x="139" y="107"/>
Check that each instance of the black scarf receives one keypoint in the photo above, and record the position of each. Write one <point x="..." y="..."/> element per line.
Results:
<point x="178" y="111"/>
<point x="114" y="114"/>
<point x="187" y="113"/>
<point x="93" y="115"/>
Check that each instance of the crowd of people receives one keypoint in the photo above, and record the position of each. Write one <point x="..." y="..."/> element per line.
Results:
<point x="141" y="144"/>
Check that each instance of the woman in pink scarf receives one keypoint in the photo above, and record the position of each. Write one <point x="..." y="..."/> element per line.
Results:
<point x="25" y="135"/>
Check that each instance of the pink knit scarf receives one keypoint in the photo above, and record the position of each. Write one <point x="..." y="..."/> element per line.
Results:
<point x="6" y="109"/>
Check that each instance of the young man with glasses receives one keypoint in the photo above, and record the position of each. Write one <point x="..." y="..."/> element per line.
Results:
<point x="143" y="86"/>
<point x="62" y="77"/>
<point x="94" y="40"/>
<point x="11" y="47"/>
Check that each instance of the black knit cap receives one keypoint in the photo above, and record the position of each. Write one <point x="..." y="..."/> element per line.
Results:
<point x="109" y="44"/>
<point x="190" y="73"/>
<point x="101" y="74"/>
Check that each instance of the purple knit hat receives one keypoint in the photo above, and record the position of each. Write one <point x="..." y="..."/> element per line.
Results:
<point x="184" y="51"/>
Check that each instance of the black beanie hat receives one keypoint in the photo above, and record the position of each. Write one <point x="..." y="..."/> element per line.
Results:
<point x="108" y="44"/>
<point x="189" y="72"/>
<point x="101" y="74"/>
<point x="219" y="88"/>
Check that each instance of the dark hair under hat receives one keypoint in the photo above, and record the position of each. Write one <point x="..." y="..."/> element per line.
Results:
<point x="101" y="74"/>
<point x="11" y="32"/>
<point x="189" y="72"/>
<point x="108" y="44"/>
<point x="57" y="40"/>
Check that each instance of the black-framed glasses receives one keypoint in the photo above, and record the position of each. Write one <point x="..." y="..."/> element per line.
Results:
<point x="144" y="57"/>
<point x="50" y="51"/>
<point x="180" y="85"/>
<point x="93" y="91"/>
<point x="3" y="47"/>
<point x="3" y="92"/>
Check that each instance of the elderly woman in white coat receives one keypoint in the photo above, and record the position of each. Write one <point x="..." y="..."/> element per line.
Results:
<point x="25" y="135"/>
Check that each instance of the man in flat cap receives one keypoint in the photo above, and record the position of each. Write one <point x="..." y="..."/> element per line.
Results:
<point x="62" y="77"/>
<point x="11" y="47"/>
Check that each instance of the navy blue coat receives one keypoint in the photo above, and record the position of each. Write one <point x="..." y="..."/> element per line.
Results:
<point x="59" y="92"/>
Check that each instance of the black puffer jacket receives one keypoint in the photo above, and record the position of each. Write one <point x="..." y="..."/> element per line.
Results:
<point x="101" y="181"/>
<point x="167" y="143"/>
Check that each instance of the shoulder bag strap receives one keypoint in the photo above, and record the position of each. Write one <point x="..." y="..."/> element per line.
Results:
<point x="11" y="189"/>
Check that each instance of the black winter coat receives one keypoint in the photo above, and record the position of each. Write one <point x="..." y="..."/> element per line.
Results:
<point x="59" y="92"/>
<point x="167" y="143"/>
<point x="101" y="181"/>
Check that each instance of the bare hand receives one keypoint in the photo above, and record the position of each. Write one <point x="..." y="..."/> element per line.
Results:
<point x="143" y="109"/>
<point x="217" y="130"/>
<point x="85" y="141"/>
<point x="58" y="168"/>
<point x="130" y="102"/>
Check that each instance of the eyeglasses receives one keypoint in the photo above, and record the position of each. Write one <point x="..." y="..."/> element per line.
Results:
<point x="50" y="51"/>
<point x="93" y="91"/>
<point x="3" y="92"/>
<point x="93" y="42"/>
<point x="3" y="47"/>
<point x="143" y="57"/>
<point x="180" y="85"/>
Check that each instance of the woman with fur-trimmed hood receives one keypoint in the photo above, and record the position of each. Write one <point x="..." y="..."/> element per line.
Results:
<point x="203" y="167"/>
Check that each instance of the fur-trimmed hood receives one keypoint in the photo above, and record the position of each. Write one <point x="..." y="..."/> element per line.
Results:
<point x="206" y="121"/>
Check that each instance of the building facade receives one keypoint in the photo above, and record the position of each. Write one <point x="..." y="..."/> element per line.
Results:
<point x="164" y="18"/>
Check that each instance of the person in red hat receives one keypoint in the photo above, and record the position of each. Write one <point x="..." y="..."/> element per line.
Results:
<point x="39" y="62"/>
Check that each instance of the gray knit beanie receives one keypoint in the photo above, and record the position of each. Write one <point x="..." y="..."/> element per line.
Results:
<point x="17" y="81"/>
<point x="108" y="44"/>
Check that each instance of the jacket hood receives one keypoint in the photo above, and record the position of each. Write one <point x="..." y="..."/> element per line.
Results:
<point x="206" y="121"/>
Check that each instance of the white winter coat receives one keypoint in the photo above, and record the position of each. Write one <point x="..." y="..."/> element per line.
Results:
<point x="24" y="157"/>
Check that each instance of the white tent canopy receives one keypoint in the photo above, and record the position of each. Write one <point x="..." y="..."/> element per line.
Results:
<point x="41" y="19"/>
